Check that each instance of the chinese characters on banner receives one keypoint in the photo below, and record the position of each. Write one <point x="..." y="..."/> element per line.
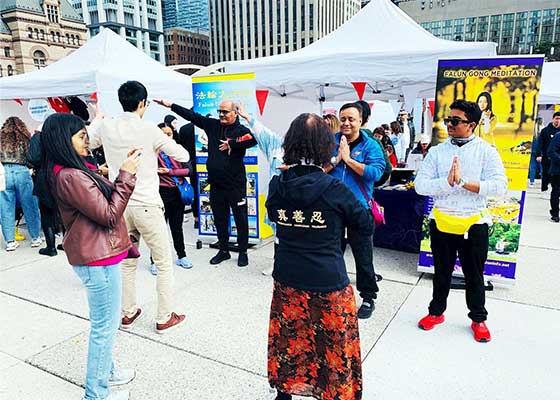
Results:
<point x="506" y="90"/>
<point x="208" y="93"/>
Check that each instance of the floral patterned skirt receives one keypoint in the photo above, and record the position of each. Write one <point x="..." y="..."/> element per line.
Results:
<point x="314" y="344"/>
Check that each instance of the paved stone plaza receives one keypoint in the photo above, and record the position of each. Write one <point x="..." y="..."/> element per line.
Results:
<point x="220" y="353"/>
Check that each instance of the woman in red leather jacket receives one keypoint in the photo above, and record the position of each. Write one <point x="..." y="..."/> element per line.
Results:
<point x="95" y="242"/>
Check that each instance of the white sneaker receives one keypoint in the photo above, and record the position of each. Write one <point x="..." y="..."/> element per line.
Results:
<point x="37" y="242"/>
<point x="121" y="376"/>
<point x="11" y="246"/>
<point x="120" y="395"/>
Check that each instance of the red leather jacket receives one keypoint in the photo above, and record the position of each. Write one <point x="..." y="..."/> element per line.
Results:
<point x="95" y="227"/>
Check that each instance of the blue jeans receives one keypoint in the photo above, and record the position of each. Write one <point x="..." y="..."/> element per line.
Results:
<point x="534" y="165"/>
<point x="104" y="288"/>
<point x="19" y="182"/>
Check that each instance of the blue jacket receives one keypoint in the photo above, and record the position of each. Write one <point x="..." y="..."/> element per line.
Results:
<point x="368" y="152"/>
<point x="554" y="155"/>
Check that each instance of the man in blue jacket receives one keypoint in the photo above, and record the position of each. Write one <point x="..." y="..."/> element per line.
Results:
<point x="359" y="163"/>
<point x="554" y="171"/>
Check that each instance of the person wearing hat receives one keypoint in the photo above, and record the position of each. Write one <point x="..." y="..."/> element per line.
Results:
<point x="423" y="145"/>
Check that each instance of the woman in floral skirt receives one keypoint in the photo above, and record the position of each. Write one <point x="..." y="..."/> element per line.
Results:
<point x="313" y="345"/>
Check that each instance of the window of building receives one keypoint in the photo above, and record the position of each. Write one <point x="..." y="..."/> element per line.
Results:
<point x="36" y="33"/>
<point x="53" y="37"/>
<point x="78" y="40"/>
<point x="42" y="33"/>
<point x="30" y="33"/>
<point x="10" y="70"/>
<point x="67" y="39"/>
<point x="58" y="37"/>
<point x="1" y="72"/>
<point x="52" y="13"/>
<point x="39" y="59"/>
<point x="7" y="51"/>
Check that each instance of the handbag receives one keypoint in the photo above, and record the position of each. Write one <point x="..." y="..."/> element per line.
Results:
<point x="376" y="210"/>
<point x="185" y="189"/>
<point x="133" y="251"/>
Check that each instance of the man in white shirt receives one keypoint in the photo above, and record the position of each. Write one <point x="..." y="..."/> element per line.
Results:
<point x="459" y="174"/>
<point x="144" y="214"/>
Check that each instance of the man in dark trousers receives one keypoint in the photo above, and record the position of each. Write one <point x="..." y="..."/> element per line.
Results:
<point x="227" y="142"/>
<point x="554" y="172"/>
<point x="543" y="142"/>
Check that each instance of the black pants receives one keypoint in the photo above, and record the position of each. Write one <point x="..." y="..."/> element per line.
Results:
<point x="221" y="201"/>
<point x="555" y="195"/>
<point x="472" y="255"/>
<point x="194" y="183"/>
<point x="545" y="176"/>
<point x="48" y="217"/>
<point x="362" y="250"/>
<point x="174" y="211"/>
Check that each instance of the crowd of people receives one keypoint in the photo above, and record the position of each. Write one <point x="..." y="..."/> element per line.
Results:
<point x="323" y="171"/>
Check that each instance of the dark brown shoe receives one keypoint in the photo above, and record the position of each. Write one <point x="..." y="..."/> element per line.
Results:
<point x="174" y="321"/>
<point x="127" y="322"/>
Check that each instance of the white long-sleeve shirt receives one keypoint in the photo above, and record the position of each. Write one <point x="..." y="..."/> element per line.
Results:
<point x="120" y="135"/>
<point x="479" y="162"/>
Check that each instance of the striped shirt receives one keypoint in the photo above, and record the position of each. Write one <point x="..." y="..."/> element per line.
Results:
<point x="478" y="161"/>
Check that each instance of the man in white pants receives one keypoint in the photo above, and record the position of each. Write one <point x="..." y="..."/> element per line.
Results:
<point x="144" y="214"/>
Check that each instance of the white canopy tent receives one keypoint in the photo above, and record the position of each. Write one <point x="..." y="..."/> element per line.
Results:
<point x="380" y="45"/>
<point x="550" y="84"/>
<point x="101" y="65"/>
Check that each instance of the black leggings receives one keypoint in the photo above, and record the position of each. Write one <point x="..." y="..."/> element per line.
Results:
<point x="174" y="211"/>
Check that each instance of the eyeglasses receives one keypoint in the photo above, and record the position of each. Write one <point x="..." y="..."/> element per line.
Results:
<point x="147" y="102"/>
<point x="455" y="121"/>
<point x="225" y="112"/>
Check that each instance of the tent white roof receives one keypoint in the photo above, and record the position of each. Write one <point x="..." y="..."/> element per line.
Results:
<point x="550" y="84"/>
<point x="380" y="45"/>
<point x="101" y="65"/>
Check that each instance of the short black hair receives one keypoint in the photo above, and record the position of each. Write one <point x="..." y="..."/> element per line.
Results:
<point x="308" y="139"/>
<point x="556" y="114"/>
<point x="366" y="111"/>
<point x="357" y="106"/>
<point x="471" y="109"/>
<point x="131" y="93"/>
<point x="161" y="125"/>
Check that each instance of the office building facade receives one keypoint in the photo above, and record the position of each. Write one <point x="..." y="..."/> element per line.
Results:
<point x="518" y="27"/>
<point x="191" y="15"/>
<point x="245" y="29"/>
<point x="186" y="47"/>
<point x="138" y="21"/>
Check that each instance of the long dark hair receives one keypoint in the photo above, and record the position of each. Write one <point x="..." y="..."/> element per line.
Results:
<point x="56" y="140"/>
<point x="488" y="101"/>
<point x="308" y="139"/>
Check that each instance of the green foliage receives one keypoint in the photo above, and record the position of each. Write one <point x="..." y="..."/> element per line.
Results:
<point x="509" y="233"/>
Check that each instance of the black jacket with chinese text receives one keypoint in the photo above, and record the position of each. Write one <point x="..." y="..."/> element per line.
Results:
<point x="311" y="209"/>
<point x="225" y="170"/>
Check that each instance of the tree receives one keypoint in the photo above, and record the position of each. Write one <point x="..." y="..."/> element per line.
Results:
<point x="545" y="48"/>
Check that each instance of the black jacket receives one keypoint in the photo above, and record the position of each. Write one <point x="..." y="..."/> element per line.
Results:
<point x="311" y="209"/>
<point x="36" y="160"/>
<point x="544" y="140"/>
<point x="554" y="155"/>
<point x="225" y="171"/>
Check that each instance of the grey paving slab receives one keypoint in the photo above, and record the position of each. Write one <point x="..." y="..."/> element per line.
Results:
<point x="162" y="372"/>
<point x="520" y="362"/>
<point x="28" y="329"/>
<point x="6" y="361"/>
<point x="537" y="229"/>
<point x="23" y="381"/>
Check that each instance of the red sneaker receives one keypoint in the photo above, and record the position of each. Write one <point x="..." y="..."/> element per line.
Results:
<point x="173" y="322"/>
<point x="481" y="332"/>
<point x="429" y="321"/>
<point x="127" y="322"/>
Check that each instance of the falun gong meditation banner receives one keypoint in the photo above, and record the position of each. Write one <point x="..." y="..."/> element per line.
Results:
<point x="506" y="89"/>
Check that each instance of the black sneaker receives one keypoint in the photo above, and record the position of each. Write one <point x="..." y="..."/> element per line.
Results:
<point x="555" y="219"/>
<point x="242" y="260"/>
<point x="221" y="256"/>
<point x="366" y="309"/>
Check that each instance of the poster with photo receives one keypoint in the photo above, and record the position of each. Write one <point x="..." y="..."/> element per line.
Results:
<point x="506" y="90"/>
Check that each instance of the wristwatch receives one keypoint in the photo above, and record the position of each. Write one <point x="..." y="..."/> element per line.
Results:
<point x="462" y="182"/>
<point x="333" y="162"/>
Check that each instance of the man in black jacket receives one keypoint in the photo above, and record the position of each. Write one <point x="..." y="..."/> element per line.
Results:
<point x="543" y="142"/>
<point x="227" y="142"/>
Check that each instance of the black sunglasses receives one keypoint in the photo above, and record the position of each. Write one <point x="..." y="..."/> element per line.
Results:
<point x="455" y="121"/>
<point x="220" y="112"/>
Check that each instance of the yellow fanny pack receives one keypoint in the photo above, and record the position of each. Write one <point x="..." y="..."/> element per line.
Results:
<point x="456" y="225"/>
